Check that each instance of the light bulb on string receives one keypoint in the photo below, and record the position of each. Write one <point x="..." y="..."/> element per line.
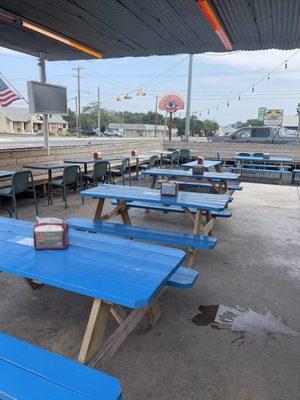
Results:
<point x="228" y="103"/>
<point x="207" y="112"/>
<point x="268" y="76"/>
<point x="119" y="98"/>
<point x="217" y="107"/>
<point x="285" y="65"/>
<point x="252" y="90"/>
<point x="239" y="97"/>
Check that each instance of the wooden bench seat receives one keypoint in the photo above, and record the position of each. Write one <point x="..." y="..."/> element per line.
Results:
<point x="154" y="207"/>
<point x="30" y="373"/>
<point x="180" y="239"/>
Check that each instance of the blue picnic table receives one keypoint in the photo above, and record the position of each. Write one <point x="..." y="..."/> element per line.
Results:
<point x="218" y="180"/>
<point x="208" y="164"/>
<point x="274" y="165"/>
<point x="114" y="272"/>
<point x="194" y="205"/>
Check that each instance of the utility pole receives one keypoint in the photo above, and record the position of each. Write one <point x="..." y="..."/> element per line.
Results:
<point x="78" y="100"/>
<point x="156" y="116"/>
<point x="188" y="99"/>
<point x="76" y="112"/>
<point x="298" y="129"/>
<point x="42" y="68"/>
<point x="99" y="120"/>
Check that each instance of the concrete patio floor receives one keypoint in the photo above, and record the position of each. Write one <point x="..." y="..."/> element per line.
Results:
<point x="255" y="265"/>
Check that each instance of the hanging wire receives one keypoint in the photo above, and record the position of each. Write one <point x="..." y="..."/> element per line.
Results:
<point x="262" y="78"/>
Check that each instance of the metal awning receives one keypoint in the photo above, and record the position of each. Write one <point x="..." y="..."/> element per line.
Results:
<point x="118" y="28"/>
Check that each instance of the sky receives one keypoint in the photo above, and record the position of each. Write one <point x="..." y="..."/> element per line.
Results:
<point x="216" y="78"/>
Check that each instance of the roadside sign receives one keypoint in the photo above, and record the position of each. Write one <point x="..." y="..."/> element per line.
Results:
<point x="261" y="113"/>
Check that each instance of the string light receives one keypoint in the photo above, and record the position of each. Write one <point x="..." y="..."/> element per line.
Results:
<point x="252" y="89"/>
<point x="285" y="65"/>
<point x="239" y="97"/>
<point x="227" y="103"/>
<point x="268" y="76"/>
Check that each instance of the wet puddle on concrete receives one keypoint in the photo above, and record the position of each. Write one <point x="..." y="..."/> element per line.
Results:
<point x="249" y="324"/>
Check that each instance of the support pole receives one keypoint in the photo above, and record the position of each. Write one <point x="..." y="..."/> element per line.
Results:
<point x="99" y="116"/>
<point x="155" y="126"/>
<point x="42" y="68"/>
<point x="170" y="126"/>
<point x="188" y="99"/>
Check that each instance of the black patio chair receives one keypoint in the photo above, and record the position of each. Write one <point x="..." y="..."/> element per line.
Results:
<point x="21" y="182"/>
<point x="172" y="160"/>
<point x="184" y="156"/>
<point x="125" y="167"/>
<point x="101" y="173"/>
<point x="72" y="179"/>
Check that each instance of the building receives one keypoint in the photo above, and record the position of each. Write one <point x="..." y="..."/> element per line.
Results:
<point x="141" y="130"/>
<point x="19" y="120"/>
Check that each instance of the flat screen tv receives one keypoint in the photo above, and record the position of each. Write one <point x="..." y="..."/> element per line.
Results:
<point x="45" y="98"/>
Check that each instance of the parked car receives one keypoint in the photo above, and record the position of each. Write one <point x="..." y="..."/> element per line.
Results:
<point x="88" y="132"/>
<point x="111" y="132"/>
<point x="256" y="134"/>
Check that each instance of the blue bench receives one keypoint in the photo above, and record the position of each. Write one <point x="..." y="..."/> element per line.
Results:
<point x="258" y="170"/>
<point x="142" y="233"/>
<point x="183" y="278"/>
<point x="154" y="207"/>
<point x="295" y="172"/>
<point x="30" y="373"/>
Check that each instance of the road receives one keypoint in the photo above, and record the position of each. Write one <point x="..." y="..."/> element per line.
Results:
<point x="17" y="142"/>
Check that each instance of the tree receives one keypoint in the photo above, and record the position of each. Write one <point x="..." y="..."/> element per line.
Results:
<point x="71" y="118"/>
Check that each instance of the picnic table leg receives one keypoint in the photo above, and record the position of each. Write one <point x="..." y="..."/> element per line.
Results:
<point x="154" y="313"/>
<point x="33" y="284"/>
<point x="198" y="229"/>
<point x="95" y="330"/>
<point x="99" y="209"/>
<point x="124" y="212"/>
<point x="153" y="181"/>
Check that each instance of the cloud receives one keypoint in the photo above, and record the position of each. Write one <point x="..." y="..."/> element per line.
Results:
<point x="250" y="60"/>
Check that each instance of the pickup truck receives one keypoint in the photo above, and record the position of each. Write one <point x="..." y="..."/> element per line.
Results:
<point x="256" y="134"/>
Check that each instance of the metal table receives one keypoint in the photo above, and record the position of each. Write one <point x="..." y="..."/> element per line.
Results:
<point x="114" y="272"/>
<point x="89" y="160"/>
<point x="48" y="166"/>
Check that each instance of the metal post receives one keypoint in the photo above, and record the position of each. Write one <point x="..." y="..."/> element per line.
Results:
<point x="188" y="99"/>
<point x="155" y="126"/>
<point x="99" y="129"/>
<point x="42" y="68"/>
<point x="170" y="126"/>
<point x="78" y="100"/>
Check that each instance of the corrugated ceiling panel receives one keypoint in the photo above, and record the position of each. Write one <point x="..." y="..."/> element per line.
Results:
<point x="120" y="28"/>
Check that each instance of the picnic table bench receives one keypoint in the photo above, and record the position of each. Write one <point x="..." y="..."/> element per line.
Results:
<point x="185" y="184"/>
<point x="272" y="165"/>
<point x="123" y="277"/>
<point x="201" y="204"/>
<point x="218" y="180"/>
<point x="30" y="373"/>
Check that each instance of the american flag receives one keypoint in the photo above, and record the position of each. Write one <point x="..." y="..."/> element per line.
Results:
<point x="7" y="96"/>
